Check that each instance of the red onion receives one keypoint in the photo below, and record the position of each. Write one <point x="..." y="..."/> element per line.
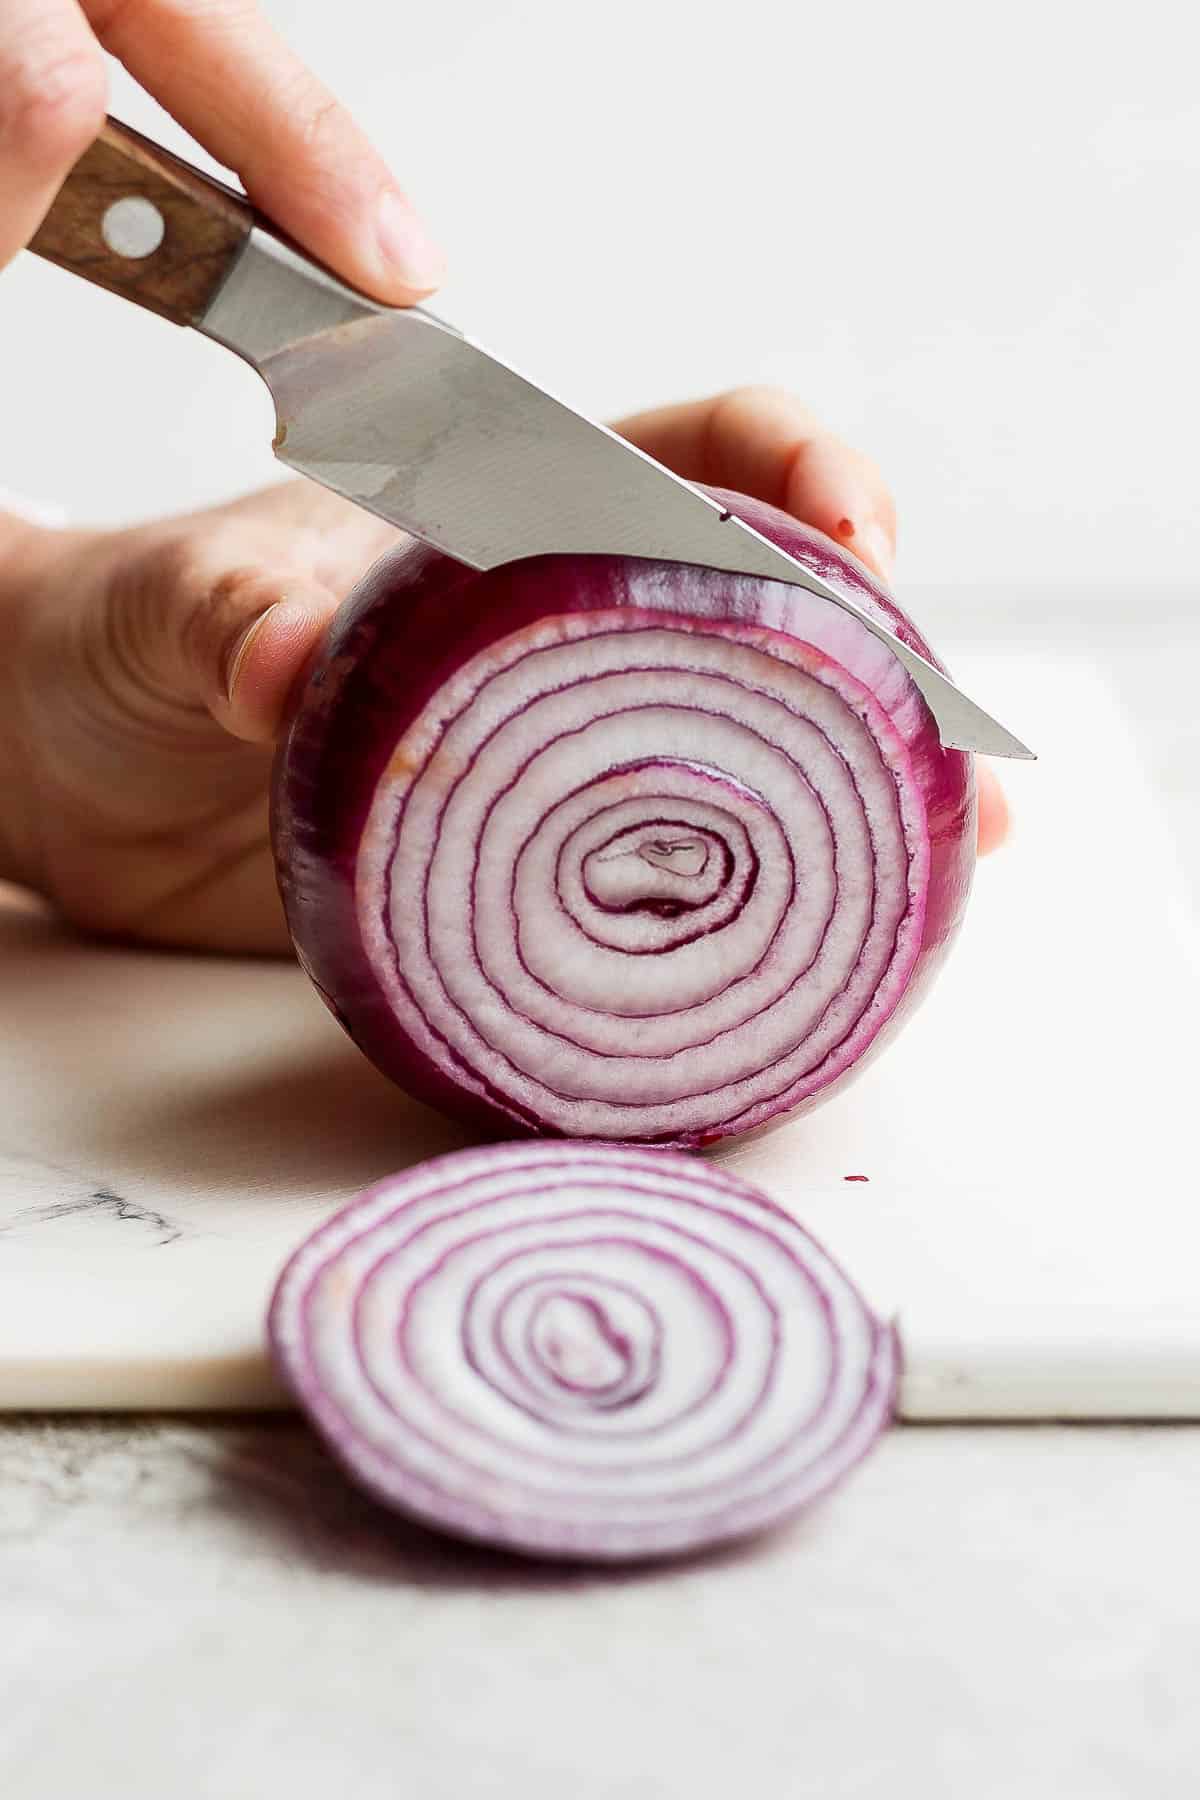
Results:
<point x="609" y="848"/>
<point x="588" y="1351"/>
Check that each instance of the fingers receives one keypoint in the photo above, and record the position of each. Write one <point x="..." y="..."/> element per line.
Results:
<point x="760" y="441"/>
<point x="226" y="75"/>
<point x="994" y="817"/>
<point x="231" y="81"/>
<point x="53" y="94"/>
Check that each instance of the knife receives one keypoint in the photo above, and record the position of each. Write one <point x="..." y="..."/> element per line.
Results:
<point x="403" y="414"/>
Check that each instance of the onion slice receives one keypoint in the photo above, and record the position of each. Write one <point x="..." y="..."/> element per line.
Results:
<point x="581" y="1351"/>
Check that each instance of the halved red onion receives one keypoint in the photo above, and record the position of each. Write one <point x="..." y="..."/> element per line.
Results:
<point x="615" y="849"/>
<point x="590" y="1351"/>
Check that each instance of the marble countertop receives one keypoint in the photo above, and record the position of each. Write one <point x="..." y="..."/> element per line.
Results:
<point x="207" y="1609"/>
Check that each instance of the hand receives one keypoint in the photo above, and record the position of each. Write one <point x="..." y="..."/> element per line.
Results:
<point x="221" y="70"/>
<point x="147" y="672"/>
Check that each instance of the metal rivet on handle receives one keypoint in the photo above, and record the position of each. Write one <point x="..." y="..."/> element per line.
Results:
<point x="133" y="227"/>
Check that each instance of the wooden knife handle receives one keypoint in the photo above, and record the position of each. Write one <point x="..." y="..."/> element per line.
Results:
<point x="135" y="219"/>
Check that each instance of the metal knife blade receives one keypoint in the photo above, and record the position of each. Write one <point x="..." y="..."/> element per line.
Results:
<point x="409" y="418"/>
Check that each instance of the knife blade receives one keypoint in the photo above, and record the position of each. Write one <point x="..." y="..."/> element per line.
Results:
<point x="407" y="416"/>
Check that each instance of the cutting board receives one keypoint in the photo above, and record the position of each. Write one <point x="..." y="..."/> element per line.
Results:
<point x="170" y="1127"/>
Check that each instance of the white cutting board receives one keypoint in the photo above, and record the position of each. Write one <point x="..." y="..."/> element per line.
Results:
<point x="170" y="1127"/>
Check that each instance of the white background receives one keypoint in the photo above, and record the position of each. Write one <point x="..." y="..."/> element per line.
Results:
<point x="969" y="235"/>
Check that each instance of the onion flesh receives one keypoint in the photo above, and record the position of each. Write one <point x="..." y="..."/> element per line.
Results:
<point x="584" y="1351"/>
<point x="609" y="849"/>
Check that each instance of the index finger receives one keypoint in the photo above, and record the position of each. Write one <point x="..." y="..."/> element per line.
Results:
<point x="230" y="80"/>
<point x="53" y="91"/>
<point x="761" y="441"/>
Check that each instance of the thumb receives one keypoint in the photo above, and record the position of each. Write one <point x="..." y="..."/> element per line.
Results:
<point x="248" y="671"/>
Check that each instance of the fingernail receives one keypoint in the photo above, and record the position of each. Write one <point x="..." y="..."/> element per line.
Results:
<point x="872" y="544"/>
<point x="242" y="648"/>
<point x="410" y="254"/>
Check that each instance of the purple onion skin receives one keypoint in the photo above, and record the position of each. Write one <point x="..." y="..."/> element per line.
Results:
<point x="417" y="616"/>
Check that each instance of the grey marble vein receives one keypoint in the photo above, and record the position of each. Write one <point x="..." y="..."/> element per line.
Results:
<point x="36" y="1194"/>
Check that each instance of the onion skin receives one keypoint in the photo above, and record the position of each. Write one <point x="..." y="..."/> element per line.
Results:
<point x="407" y="633"/>
<point x="592" y="1352"/>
